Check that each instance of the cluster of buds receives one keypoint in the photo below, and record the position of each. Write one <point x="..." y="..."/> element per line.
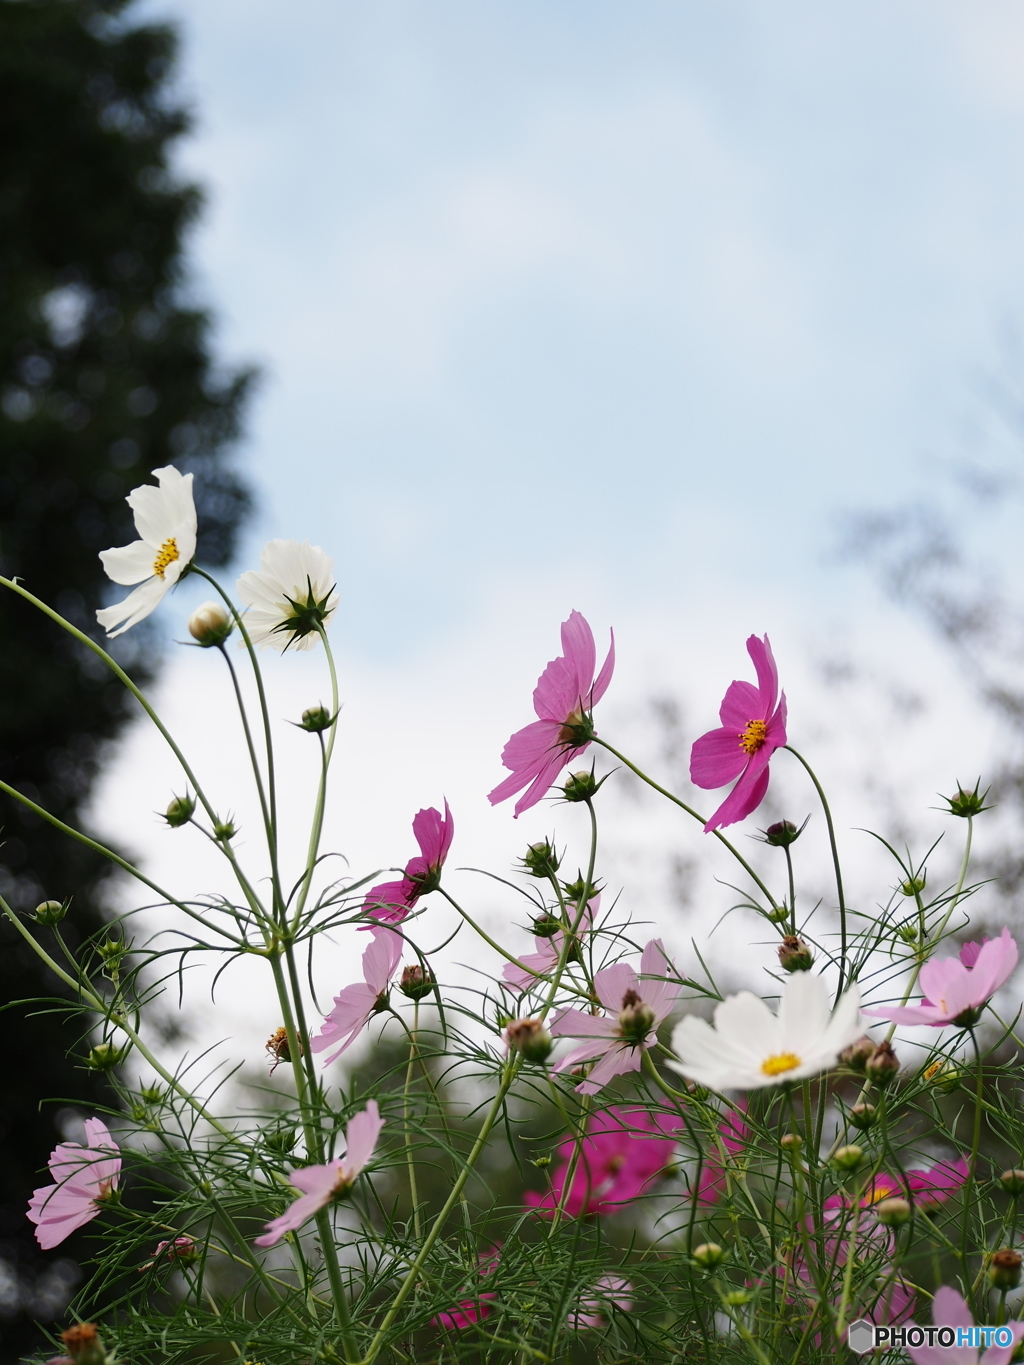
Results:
<point x="531" y="1038"/>
<point x="416" y="982"/>
<point x="858" y="1054"/>
<point x="794" y="955"/>
<point x="210" y="624"/>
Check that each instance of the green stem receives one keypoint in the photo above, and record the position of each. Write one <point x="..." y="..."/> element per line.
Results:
<point x="321" y="796"/>
<point x="979" y="1096"/>
<point x="843" y="949"/>
<point x="341" y="1309"/>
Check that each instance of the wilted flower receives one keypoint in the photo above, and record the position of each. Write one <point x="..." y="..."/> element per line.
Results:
<point x="635" y="1009"/>
<point x="165" y="518"/>
<point x="356" y="1005"/>
<point x="85" y="1176"/>
<point x="610" y="1291"/>
<point x="390" y="902"/>
<point x="949" y="1309"/>
<point x="753" y="727"/>
<point x="750" y="1047"/>
<point x="957" y="989"/>
<point x="291" y="595"/>
<point x="322" y="1184"/>
<point x="84" y="1345"/>
<point x="565" y="695"/>
<point x="280" y="1049"/>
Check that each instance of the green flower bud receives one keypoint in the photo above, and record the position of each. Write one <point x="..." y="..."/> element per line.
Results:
<point x="180" y="811"/>
<point x="105" y="1056"/>
<point x="316" y="718"/>
<point x="791" y="1143"/>
<point x="858" y="1054"/>
<point x="580" y="786"/>
<point x="281" y="1140"/>
<point x="415" y="982"/>
<point x="546" y="925"/>
<point x="224" y="830"/>
<point x="1004" y="1269"/>
<point x="51" y="912"/>
<point x="893" y="1212"/>
<point x="210" y="624"/>
<point x="914" y="885"/>
<point x="709" y="1254"/>
<point x="531" y="1038"/>
<point x="966" y="803"/>
<point x="736" y="1298"/>
<point x="152" y="1094"/>
<point x="782" y="834"/>
<point x="779" y="915"/>
<point x="541" y="860"/>
<point x="112" y="952"/>
<point x="574" y="890"/>
<point x="883" y="1065"/>
<point x="849" y="1158"/>
<point x="908" y="932"/>
<point x="794" y="955"/>
<point x="1013" y="1182"/>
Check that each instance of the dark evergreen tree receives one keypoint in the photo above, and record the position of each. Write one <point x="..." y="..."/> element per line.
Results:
<point x="105" y="374"/>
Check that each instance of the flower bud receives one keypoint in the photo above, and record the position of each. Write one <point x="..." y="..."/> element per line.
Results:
<point x="531" y="1038"/>
<point x="83" y="1345"/>
<point x="779" y="915"/>
<point x="541" y="860"/>
<point x="791" y="1143"/>
<point x="636" y="1018"/>
<point x="316" y="718"/>
<point x="574" y="890"/>
<point x="858" y="1054"/>
<point x="709" y="1254"/>
<point x="863" y="1116"/>
<point x="112" y="952"/>
<point x="794" y="955"/>
<point x="1013" y="1182"/>
<point x="893" y="1212"/>
<point x="736" y="1298"/>
<point x="782" y="834"/>
<point x="210" y="624"/>
<point x="849" y="1158"/>
<point x="180" y="811"/>
<point x="181" y="1249"/>
<point x="914" y="885"/>
<point x="966" y="803"/>
<point x="546" y="925"/>
<point x="908" y="932"/>
<point x="105" y="1056"/>
<point x="944" y="1075"/>
<point x="580" y="786"/>
<point x="1004" y="1269"/>
<point x="224" y="830"/>
<point x="50" y="912"/>
<point x="281" y="1140"/>
<point x="415" y="982"/>
<point x="883" y="1065"/>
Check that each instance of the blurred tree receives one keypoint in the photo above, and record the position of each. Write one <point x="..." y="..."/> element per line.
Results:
<point x="105" y="373"/>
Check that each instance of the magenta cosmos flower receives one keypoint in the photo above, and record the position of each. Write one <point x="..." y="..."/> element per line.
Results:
<point x="468" y="1312"/>
<point x="949" y="1309"/>
<point x="390" y="902"/>
<point x="320" y="1185"/>
<point x="564" y="697"/>
<point x="753" y="727"/>
<point x="84" y="1177"/>
<point x="356" y="1005"/>
<point x="635" y="1009"/>
<point x="520" y="975"/>
<point x="957" y="989"/>
<point x="922" y="1187"/>
<point x="623" y="1152"/>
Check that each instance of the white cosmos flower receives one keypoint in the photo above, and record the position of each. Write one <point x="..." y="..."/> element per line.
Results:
<point x="750" y="1047"/>
<point x="165" y="518"/>
<point x="292" y="592"/>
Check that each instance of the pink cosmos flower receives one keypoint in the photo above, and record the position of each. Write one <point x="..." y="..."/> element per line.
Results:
<point x="893" y="1298"/>
<point x="322" y="1184"/>
<point x="84" y="1176"/>
<point x="356" y="1005"/>
<point x="592" y="1312"/>
<point x="549" y="950"/>
<point x="564" y="697"/>
<point x="922" y="1187"/>
<point x="949" y="1309"/>
<point x="471" y="1311"/>
<point x="623" y="1152"/>
<point x="635" y="1009"/>
<point x="733" y="1134"/>
<point x="753" y="727"/>
<point x="956" y="990"/>
<point x="392" y="901"/>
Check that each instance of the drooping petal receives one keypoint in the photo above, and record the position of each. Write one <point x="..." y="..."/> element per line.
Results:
<point x="361" y="1134"/>
<point x="744" y="798"/>
<point x="380" y="958"/>
<point x="135" y="607"/>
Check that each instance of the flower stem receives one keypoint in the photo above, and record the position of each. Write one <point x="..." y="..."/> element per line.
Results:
<point x="843" y="948"/>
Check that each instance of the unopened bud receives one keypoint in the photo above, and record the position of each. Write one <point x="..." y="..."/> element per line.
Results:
<point x="415" y="982"/>
<point x="541" y="860"/>
<point x="791" y="1143"/>
<point x="908" y="932"/>
<point x="180" y="811"/>
<point x="531" y="1038"/>
<point x="883" y="1065"/>
<point x="546" y="925"/>
<point x="782" y="834"/>
<point x="858" y="1054"/>
<point x="794" y="954"/>
<point x="182" y="1249"/>
<point x="83" y="1345"/>
<point x="281" y="1140"/>
<point x="580" y="786"/>
<point x="966" y="803"/>
<point x="574" y="890"/>
<point x="105" y="1056"/>
<point x="709" y="1254"/>
<point x="849" y="1158"/>
<point x="893" y="1212"/>
<point x="737" y="1298"/>
<point x="636" y="1018"/>
<point x="152" y="1094"/>
<point x="779" y="915"/>
<point x="316" y="718"/>
<point x="863" y="1116"/>
<point x="112" y="951"/>
<point x="210" y="624"/>
<point x="913" y="886"/>
<point x="1013" y="1182"/>
<point x="1004" y="1269"/>
<point x="224" y="830"/>
<point x="50" y="912"/>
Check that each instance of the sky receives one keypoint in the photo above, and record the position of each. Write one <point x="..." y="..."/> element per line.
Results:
<point x="619" y="308"/>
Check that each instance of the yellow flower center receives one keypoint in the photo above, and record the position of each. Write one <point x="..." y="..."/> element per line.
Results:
<point x="168" y="553"/>
<point x="881" y="1191"/>
<point x="753" y="736"/>
<point x="780" y="1062"/>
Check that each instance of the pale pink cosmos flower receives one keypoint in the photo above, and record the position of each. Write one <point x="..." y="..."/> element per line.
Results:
<point x="468" y="1312"/>
<point x="753" y="727"/>
<point x="635" y="1009"/>
<point x="956" y="989"/>
<point x="356" y="1005"/>
<point x="610" y="1291"/>
<point x="390" y="902"/>
<point x="549" y="950"/>
<point x="949" y="1309"/>
<point x="84" y="1177"/>
<point x="564" y="697"/>
<point x="322" y="1184"/>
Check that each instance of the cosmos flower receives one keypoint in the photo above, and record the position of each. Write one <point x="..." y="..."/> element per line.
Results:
<point x="635" y="1009"/>
<point x="592" y="1313"/>
<point x="84" y="1177"/>
<point x="564" y="697"/>
<point x="390" y="902"/>
<point x="949" y="1309"/>
<point x="622" y="1154"/>
<point x="753" y="727"/>
<point x="355" y="1005"/>
<point x="474" y="1310"/>
<point x="549" y="950"/>
<point x="957" y="989"/>
<point x="165" y="518"/>
<point x="750" y="1047"/>
<point x="320" y="1185"/>
<point x="290" y="596"/>
<point x="922" y="1187"/>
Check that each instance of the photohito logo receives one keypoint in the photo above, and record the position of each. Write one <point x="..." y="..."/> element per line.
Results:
<point x="864" y="1336"/>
